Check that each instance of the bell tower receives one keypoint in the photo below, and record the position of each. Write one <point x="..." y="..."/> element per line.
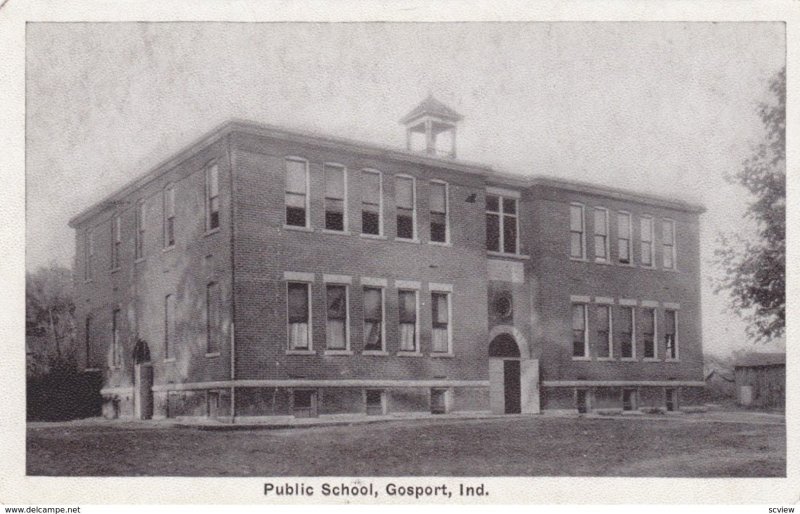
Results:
<point x="431" y="128"/>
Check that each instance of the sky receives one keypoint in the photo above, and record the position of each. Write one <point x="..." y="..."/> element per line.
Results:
<point x="663" y="108"/>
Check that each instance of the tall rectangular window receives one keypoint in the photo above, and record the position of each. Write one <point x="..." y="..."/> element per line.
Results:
<point x="440" y="311"/>
<point x="298" y="302"/>
<point x="405" y="202"/>
<point x="90" y="362"/>
<point x="671" y="334"/>
<point x="335" y="194"/>
<point x="604" y="341"/>
<point x="668" y="238"/>
<point x="624" y="237"/>
<point x="212" y="318"/>
<point x="601" y="234"/>
<point x="212" y="197"/>
<point x="116" y="240"/>
<point x="438" y="207"/>
<point x="373" y="319"/>
<point x="296" y="193"/>
<point x="647" y="241"/>
<point x="141" y="214"/>
<point x="501" y="224"/>
<point x="371" y="203"/>
<point x="576" y="228"/>
<point x="407" y="306"/>
<point x="579" y="330"/>
<point x="649" y="332"/>
<point x="169" y="216"/>
<point x="169" y="326"/>
<point x="88" y="249"/>
<point x="116" y="342"/>
<point x="337" y="323"/>
<point x="627" y="343"/>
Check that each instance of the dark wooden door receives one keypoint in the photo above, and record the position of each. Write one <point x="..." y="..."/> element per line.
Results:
<point x="511" y="386"/>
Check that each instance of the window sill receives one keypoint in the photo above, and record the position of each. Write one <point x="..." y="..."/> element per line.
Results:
<point x="169" y="359"/>
<point x="603" y="262"/>
<point x="672" y="360"/>
<point x="297" y="228"/>
<point x="115" y="270"/>
<point x="375" y="353"/>
<point x="626" y="264"/>
<point x="440" y="243"/>
<point x="91" y="370"/>
<point x="409" y="354"/>
<point x="670" y="270"/>
<point x="212" y="354"/>
<point x="338" y="352"/>
<point x="629" y="359"/>
<point x="651" y="359"/>
<point x="442" y="355"/>
<point x="168" y="249"/>
<point x="140" y="260"/>
<point x="579" y="259"/>
<point x="336" y="232"/>
<point x="582" y="359"/>
<point x="115" y="368"/>
<point x="606" y="359"/>
<point x="518" y="256"/>
<point x="373" y="236"/>
<point x="405" y="240"/>
<point x="300" y="352"/>
<point x="644" y="266"/>
<point x="211" y="232"/>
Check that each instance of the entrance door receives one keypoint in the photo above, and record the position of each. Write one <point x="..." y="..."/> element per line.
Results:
<point x="511" y="386"/>
<point x="142" y="381"/>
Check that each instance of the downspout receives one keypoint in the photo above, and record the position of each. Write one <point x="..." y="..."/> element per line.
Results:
<point x="233" y="283"/>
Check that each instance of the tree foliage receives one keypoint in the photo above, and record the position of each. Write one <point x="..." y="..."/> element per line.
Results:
<point x="753" y="270"/>
<point x="50" y="319"/>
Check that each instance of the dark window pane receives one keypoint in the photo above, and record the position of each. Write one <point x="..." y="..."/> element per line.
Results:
<point x="493" y="232"/>
<point x="370" y="222"/>
<point x="492" y="203"/>
<point x="405" y="226"/>
<point x="334" y="220"/>
<point x="576" y="245"/>
<point x="509" y="206"/>
<point x="337" y="302"/>
<point x="509" y="234"/>
<point x="407" y="306"/>
<point x="438" y="228"/>
<point x="298" y="302"/>
<point x="213" y="221"/>
<point x="295" y="216"/>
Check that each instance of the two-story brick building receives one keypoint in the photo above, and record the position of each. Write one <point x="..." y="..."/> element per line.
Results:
<point x="262" y="271"/>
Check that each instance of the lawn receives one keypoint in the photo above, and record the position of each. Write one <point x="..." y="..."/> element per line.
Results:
<point x="520" y="446"/>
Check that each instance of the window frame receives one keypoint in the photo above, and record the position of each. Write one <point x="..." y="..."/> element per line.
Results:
<point x="671" y="245"/>
<point x="582" y="232"/>
<point x="116" y="242"/>
<point x="609" y="340"/>
<point x="169" y="327"/>
<point x="169" y="216"/>
<point x="446" y="241"/>
<point x="310" y="348"/>
<point x="380" y="234"/>
<point x="414" y="232"/>
<point x="606" y="236"/>
<point x="116" y="336"/>
<point x="448" y="294"/>
<point x="210" y="329"/>
<point x="501" y="214"/>
<point x="629" y="238"/>
<point x="307" y="194"/>
<point x="676" y="338"/>
<point x="417" y="351"/>
<point x="141" y="224"/>
<point x="654" y="312"/>
<point x="210" y="199"/>
<point x="347" y="332"/>
<point x="88" y="265"/>
<point x="344" y="199"/>
<point x="649" y="219"/>
<point x="382" y="289"/>
<point x="634" y="318"/>
<point x="586" y="354"/>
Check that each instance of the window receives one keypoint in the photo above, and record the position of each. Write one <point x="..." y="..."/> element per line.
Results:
<point x="90" y="363"/>
<point x="141" y="214"/>
<point x="501" y="224"/>
<point x="212" y="197"/>
<point x="373" y="319"/>
<point x="629" y="399"/>
<point x="212" y="318"/>
<point x="601" y="234"/>
<point x="438" y="400"/>
<point x="627" y="346"/>
<point x="169" y="325"/>
<point x="299" y="315"/>
<point x="576" y="228"/>
<point x="336" y="330"/>
<point x="647" y="241"/>
<point x="116" y="241"/>
<point x="169" y="216"/>
<point x="649" y="333"/>
<point x="304" y="403"/>
<point x="374" y="401"/>
<point x="668" y="238"/>
<point x="440" y="307"/>
<point x="407" y="306"/>
<point x="438" y="206"/>
<point x="624" y="237"/>
<point x="405" y="202"/>
<point x="578" y="330"/>
<point x="116" y="342"/>
<point x="604" y="342"/>
<point x="88" y="249"/>
<point x="371" y="198"/>
<point x="671" y="334"/>
<point x="296" y="193"/>
<point x="335" y="191"/>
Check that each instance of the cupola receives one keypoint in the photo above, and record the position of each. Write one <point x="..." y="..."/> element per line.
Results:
<point x="431" y="128"/>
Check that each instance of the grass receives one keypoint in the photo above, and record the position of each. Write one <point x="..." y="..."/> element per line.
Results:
<point x="535" y="446"/>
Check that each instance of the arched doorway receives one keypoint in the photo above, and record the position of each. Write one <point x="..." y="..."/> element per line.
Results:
<point x="142" y="381"/>
<point x="504" y="375"/>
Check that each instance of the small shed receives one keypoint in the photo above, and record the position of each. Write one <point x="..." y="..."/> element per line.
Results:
<point x="761" y="380"/>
